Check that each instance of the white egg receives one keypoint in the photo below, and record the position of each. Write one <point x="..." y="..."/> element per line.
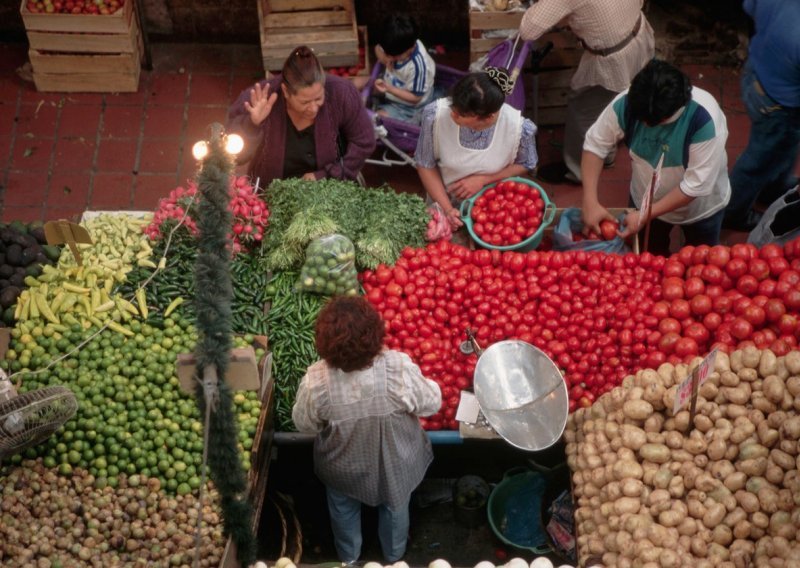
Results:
<point x="517" y="563"/>
<point x="400" y="564"/>
<point x="373" y="565"/>
<point x="439" y="563"/>
<point x="566" y="566"/>
<point x="484" y="564"/>
<point x="283" y="562"/>
<point x="541" y="562"/>
<point x="260" y="564"/>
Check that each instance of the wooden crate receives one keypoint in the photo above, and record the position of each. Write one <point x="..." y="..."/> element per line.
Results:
<point x="551" y="96"/>
<point x="84" y="53"/>
<point x="566" y="50"/>
<point x="326" y="26"/>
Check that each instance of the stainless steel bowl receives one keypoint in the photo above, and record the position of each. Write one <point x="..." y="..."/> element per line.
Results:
<point x="522" y="394"/>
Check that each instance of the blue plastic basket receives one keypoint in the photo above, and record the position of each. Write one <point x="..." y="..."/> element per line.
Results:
<point x="514" y="510"/>
<point x="528" y="244"/>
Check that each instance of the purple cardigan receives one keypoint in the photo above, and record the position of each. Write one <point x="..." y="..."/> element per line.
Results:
<point x="343" y="114"/>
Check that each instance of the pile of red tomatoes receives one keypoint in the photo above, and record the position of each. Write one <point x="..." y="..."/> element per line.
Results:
<point x="599" y="317"/>
<point x="508" y="213"/>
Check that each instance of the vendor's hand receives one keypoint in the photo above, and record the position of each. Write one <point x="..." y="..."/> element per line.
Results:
<point x="380" y="85"/>
<point x="631" y="224"/>
<point x="260" y="104"/>
<point x="467" y="187"/>
<point x="381" y="56"/>
<point x="454" y="218"/>
<point x="592" y="215"/>
<point x="309" y="177"/>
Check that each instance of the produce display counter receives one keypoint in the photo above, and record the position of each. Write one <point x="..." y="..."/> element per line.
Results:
<point x="439" y="437"/>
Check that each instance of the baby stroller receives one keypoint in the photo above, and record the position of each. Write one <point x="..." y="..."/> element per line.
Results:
<point x="399" y="138"/>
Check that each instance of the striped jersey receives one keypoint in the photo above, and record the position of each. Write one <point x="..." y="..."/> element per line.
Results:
<point x="415" y="74"/>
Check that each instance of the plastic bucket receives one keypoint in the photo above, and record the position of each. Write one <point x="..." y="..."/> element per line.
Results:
<point x="470" y="494"/>
<point x="514" y="510"/>
<point x="528" y="244"/>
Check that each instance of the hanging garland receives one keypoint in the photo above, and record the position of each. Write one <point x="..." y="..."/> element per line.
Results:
<point x="213" y="295"/>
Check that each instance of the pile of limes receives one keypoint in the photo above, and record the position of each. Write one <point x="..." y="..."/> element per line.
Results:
<point x="330" y="267"/>
<point x="132" y="416"/>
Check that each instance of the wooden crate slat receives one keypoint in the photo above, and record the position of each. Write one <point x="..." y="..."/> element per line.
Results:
<point x="86" y="43"/>
<point x="67" y="63"/>
<point x="551" y="115"/>
<point x="322" y="46"/>
<point x="553" y="79"/>
<point x="300" y="5"/>
<point x="118" y="22"/>
<point x="302" y="19"/>
<point x="88" y="82"/>
<point x="552" y="97"/>
<point x="494" y="20"/>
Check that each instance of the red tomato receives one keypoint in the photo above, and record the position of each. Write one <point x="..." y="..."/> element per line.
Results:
<point x="608" y="229"/>
<point x="700" y="305"/>
<point x="672" y="288"/>
<point x="741" y="329"/>
<point x="719" y="256"/>
<point x="686" y="347"/>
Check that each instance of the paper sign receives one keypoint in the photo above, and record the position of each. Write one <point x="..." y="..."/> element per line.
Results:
<point x="65" y="232"/>
<point x="648" y="195"/>
<point x="468" y="408"/>
<point x="700" y="374"/>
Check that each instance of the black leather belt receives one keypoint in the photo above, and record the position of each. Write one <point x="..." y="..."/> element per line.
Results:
<point x="620" y="46"/>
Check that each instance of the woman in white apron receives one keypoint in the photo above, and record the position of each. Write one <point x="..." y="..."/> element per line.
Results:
<point x="471" y="139"/>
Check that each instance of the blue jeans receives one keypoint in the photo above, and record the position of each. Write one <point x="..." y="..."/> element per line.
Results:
<point x="345" y="515"/>
<point x="764" y="172"/>
<point x="702" y="232"/>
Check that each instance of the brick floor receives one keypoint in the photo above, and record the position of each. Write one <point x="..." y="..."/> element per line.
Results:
<point x="61" y="154"/>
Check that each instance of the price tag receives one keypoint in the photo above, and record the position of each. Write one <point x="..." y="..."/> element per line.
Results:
<point x="468" y="408"/>
<point x="699" y="375"/>
<point x="648" y="195"/>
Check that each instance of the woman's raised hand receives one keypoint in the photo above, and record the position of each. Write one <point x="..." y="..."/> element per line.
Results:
<point x="467" y="186"/>
<point x="260" y="104"/>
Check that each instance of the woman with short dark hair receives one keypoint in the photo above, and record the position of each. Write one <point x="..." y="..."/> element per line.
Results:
<point x="362" y="401"/>
<point x="302" y="123"/>
<point x="471" y="139"/>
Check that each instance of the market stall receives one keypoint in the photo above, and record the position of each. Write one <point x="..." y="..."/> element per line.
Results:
<point x="621" y="329"/>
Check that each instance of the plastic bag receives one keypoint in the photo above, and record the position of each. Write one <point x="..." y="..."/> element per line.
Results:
<point x="570" y="223"/>
<point x="780" y="222"/>
<point x="438" y="225"/>
<point x="330" y="267"/>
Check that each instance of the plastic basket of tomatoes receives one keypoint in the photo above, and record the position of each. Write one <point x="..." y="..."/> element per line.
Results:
<point x="511" y="214"/>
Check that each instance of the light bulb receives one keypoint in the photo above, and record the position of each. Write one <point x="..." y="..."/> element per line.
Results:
<point x="200" y="150"/>
<point x="233" y="144"/>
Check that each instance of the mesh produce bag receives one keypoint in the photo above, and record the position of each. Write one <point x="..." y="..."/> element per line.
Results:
<point x="329" y="268"/>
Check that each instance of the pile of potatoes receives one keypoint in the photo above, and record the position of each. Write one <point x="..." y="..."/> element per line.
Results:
<point x="651" y="492"/>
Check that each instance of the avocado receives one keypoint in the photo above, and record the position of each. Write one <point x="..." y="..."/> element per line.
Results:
<point x="29" y="254"/>
<point x="17" y="279"/>
<point x="14" y="255"/>
<point x="9" y="296"/>
<point x="41" y="258"/>
<point x="19" y="227"/>
<point x="34" y="269"/>
<point x="36" y="230"/>
<point x="8" y="315"/>
<point x="53" y="252"/>
<point x="6" y="271"/>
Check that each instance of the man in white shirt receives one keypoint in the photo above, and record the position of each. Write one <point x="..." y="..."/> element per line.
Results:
<point x="662" y="115"/>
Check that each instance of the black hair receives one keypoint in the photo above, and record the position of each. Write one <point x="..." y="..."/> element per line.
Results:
<point x="302" y="69"/>
<point x="657" y="92"/>
<point x="400" y="34"/>
<point x="477" y="94"/>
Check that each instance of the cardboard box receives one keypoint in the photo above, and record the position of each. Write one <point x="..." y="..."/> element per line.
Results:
<point x="243" y="369"/>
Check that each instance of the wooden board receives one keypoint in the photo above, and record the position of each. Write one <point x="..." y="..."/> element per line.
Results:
<point x="320" y="18"/>
<point x="299" y="5"/>
<point x="87" y="43"/>
<point x="127" y="82"/>
<point x="116" y="23"/>
<point x="68" y="63"/>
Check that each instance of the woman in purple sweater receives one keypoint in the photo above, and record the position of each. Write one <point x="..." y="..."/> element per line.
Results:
<point x="302" y="123"/>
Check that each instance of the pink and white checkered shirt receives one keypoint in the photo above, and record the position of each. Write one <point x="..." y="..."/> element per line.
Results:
<point x="601" y="24"/>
